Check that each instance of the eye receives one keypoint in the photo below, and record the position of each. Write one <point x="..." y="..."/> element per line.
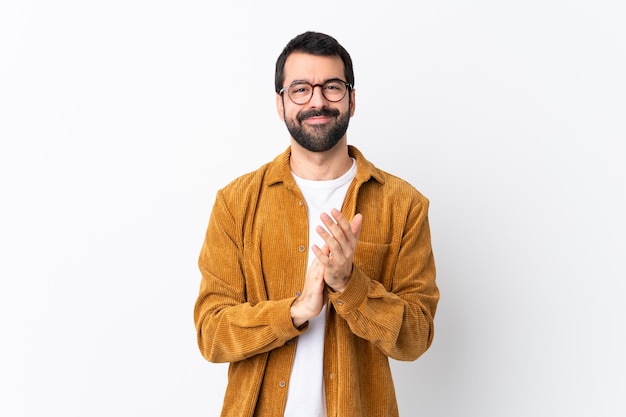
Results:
<point x="299" y="89"/>
<point x="334" y="86"/>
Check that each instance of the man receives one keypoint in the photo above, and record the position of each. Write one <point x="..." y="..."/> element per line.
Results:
<point x="317" y="267"/>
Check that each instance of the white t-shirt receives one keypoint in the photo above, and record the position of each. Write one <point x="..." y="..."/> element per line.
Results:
<point x="305" y="397"/>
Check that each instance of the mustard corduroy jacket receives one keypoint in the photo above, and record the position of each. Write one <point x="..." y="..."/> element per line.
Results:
<point x="254" y="260"/>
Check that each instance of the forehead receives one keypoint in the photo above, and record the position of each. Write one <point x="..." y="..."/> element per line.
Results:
<point x="312" y="68"/>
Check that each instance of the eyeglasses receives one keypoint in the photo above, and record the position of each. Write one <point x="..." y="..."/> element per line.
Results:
<point x="301" y="92"/>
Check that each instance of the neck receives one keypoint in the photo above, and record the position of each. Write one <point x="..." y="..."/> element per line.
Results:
<point x="320" y="166"/>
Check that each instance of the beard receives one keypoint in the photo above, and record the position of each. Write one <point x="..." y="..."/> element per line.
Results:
<point x="318" y="138"/>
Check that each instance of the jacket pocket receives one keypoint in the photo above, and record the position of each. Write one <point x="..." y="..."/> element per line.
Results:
<point x="371" y="259"/>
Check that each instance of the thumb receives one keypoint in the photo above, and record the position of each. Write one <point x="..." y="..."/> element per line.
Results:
<point x="355" y="224"/>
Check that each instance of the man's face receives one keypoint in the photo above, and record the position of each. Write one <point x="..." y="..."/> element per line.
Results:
<point x="319" y="124"/>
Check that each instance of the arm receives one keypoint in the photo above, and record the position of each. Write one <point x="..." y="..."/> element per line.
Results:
<point x="397" y="316"/>
<point x="229" y="327"/>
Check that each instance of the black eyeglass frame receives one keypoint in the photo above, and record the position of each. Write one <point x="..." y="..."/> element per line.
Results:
<point x="321" y="86"/>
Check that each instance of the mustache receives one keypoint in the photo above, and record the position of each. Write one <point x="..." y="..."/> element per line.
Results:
<point x="315" y="112"/>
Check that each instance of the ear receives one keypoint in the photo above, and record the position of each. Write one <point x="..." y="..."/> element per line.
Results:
<point x="280" y="107"/>
<point x="352" y="102"/>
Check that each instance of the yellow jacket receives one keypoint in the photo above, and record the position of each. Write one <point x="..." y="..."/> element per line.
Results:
<point x="254" y="260"/>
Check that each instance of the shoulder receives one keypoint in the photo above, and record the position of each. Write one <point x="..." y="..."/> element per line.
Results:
<point x="244" y="192"/>
<point x="245" y="185"/>
<point x="270" y="173"/>
<point x="381" y="184"/>
<point x="400" y="187"/>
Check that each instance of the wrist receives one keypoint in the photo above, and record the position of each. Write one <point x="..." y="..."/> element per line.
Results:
<point x="339" y="286"/>
<point x="298" y="316"/>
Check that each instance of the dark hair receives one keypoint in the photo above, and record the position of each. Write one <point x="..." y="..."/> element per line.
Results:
<point x="313" y="43"/>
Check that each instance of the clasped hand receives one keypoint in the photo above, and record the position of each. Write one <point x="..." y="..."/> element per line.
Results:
<point x="332" y="265"/>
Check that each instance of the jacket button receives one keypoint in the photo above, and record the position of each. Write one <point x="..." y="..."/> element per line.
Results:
<point x="301" y="202"/>
<point x="340" y="302"/>
<point x="301" y="248"/>
<point x="298" y="293"/>
<point x="282" y="384"/>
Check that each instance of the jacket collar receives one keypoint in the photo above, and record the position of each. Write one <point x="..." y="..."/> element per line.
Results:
<point x="280" y="171"/>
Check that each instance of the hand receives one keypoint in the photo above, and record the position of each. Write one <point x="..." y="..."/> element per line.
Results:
<point x="310" y="303"/>
<point x="338" y="252"/>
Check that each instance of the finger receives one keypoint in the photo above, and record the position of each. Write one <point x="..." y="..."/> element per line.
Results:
<point x="351" y="230"/>
<point x="349" y="237"/>
<point x="341" y="220"/>
<point x="332" y="244"/>
<point x="315" y="263"/>
<point x="340" y="232"/>
<point x="324" y="250"/>
<point x="330" y="224"/>
<point x="322" y="255"/>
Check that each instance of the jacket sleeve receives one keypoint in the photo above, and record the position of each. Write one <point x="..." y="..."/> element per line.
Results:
<point x="396" y="312"/>
<point x="230" y="328"/>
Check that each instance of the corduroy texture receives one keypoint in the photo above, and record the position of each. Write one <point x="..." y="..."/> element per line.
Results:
<point x="254" y="260"/>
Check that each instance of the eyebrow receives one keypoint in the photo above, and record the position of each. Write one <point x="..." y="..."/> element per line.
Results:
<point x="324" y="82"/>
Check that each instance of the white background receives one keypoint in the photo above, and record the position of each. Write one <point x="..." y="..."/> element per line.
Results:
<point x="119" y="120"/>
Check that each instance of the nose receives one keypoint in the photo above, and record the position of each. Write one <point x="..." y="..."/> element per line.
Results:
<point x="317" y="98"/>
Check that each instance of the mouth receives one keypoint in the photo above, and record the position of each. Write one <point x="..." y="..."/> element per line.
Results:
<point x="316" y="120"/>
<point x="317" y="117"/>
